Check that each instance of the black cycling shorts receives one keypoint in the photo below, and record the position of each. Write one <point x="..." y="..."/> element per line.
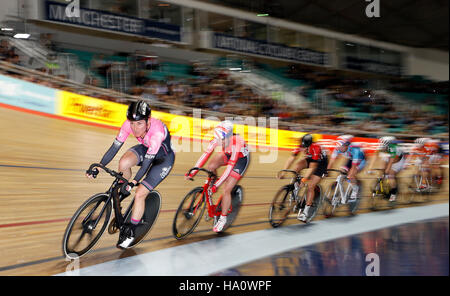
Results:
<point x="321" y="169"/>
<point x="160" y="167"/>
<point x="240" y="167"/>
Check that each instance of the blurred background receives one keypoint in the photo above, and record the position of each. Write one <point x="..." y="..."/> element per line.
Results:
<point x="318" y="66"/>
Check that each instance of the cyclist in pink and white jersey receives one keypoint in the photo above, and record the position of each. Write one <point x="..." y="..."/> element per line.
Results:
<point x="234" y="155"/>
<point x="154" y="154"/>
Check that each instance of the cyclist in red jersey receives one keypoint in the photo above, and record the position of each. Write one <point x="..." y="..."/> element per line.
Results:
<point x="317" y="160"/>
<point x="234" y="155"/>
<point x="435" y="153"/>
<point x="419" y="156"/>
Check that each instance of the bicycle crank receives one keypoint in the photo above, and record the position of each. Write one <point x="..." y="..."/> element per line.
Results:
<point x="112" y="227"/>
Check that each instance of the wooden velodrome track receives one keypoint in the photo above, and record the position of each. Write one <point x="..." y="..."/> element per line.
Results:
<point x="42" y="181"/>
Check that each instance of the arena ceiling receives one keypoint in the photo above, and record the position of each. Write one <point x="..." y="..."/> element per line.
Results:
<point x="415" y="23"/>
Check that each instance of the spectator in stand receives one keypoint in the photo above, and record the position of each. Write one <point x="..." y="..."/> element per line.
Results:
<point x="140" y="78"/>
<point x="100" y="64"/>
<point x="4" y="49"/>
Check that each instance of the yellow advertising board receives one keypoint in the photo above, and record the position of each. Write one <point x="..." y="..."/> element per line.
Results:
<point x="113" y="114"/>
<point x="90" y="109"/>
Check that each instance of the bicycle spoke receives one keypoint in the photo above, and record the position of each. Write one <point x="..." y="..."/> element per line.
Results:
<point x="80" y="235"/>
<point x="282" y="205"/>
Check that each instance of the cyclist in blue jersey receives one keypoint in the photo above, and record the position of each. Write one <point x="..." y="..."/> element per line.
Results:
<point x="356" y="160"/>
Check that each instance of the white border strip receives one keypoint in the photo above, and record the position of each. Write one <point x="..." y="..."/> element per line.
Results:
<point x="210" y="256"/>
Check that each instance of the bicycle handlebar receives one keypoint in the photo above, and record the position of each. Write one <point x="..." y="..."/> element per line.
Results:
<point x="210" y="174"/>
<point x="109" y="171"/>
<point x="339" y="171"/>
<point x="383" y="170"/>
<point x="289" y="171"/>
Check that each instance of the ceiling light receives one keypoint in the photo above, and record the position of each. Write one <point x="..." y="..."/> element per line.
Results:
<point x="22" y="36"/>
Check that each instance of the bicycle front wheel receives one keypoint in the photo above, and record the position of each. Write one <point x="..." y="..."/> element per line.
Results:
<point x="189" y="213"/>
<point x="281" y="206"/>
<point x="377" y="196"/>
<point x="86" y="226"/>
<point x="331" y="200"/>
<point x="414" y="187"/>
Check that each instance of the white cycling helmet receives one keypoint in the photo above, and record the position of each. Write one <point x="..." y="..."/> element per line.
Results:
<point x="344" y="140"/>
<point x="385" y="141"/>
<point x="224" y="130"/>
<point x="421" y="141"/>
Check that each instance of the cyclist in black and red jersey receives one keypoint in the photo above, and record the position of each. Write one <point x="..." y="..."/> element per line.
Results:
<point x="317" y="160"/>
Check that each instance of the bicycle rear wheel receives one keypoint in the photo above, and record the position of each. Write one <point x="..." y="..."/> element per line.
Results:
<point x="189" y="213"/>
<point x="353" y="205"/>
<point x="281" y="206"/>
<point x="237" y="195"/>
<point x="151" y="212"/>
<point x="86" y="226"/>
<point x="317" y="203"/>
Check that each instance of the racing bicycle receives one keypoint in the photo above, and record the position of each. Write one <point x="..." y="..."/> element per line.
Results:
<point x="193" y="206"/>
<point x="381" y="191"/>
<point x="91" y="219"/>
<point x="338" y="194"/>
<point x="291" y="198"/>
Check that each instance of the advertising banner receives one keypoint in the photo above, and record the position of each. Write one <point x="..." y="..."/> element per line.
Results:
<point x="27" y="95"/>
<point x="89" y="109"/>
<point x="98" y="19"/>
<point x="273" y="50"/>
<point x="365" y="65"/>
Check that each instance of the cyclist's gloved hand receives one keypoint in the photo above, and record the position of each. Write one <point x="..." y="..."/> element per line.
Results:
<point x="92" y="173"/>
<point x="126" y="189"/>
<point x="188" y="176"/>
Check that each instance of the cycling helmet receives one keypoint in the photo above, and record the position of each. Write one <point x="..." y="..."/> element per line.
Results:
<point x="421" y="141"/>
<point x="344" y="140"/>
<point x="306" y="141"/>
<point x="138" y="111"/>
<point x="224" y="130"/>
<point x="432" y="144"/>
<point x="385" y="141"/>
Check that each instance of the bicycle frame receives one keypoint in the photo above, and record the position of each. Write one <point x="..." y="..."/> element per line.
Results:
<point x="383" y="185"/>
<point x="207" y="195"/>
<point x="296" y="178"/>
<point x="340" y="187"/>
<point x="115" y="199"/>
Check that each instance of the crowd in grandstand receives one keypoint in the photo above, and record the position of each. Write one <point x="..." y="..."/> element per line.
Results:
<point x="210" y="87"/>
